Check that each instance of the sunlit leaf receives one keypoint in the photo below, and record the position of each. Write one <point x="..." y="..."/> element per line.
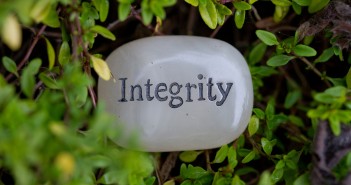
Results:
<point x="11" y="33"/>
<point x="208" y="13"/>
<point x="221" y="154"/>
<point x="101" y="68"/>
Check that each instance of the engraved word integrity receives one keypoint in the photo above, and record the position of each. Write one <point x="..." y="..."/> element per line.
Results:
<point x="164" y="92"/>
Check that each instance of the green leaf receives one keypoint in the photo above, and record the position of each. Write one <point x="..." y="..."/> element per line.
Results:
<point x="170" y="182"/>
<point x="221" y="154"/>
<point x="270" y="110"/>
<point x="317" y="5"/>
<point x="103" y="32"/>
<point x="267" y="146"/>
<point x="237" y="181"/>
<point x="291" y="98"/>
<point x="254" y="124"/>
<point x="265" y="179"/>
<point x="326" y="55"/>
<point x="223" y="10"/>
<point x="242" y="5"/>
<point x="27" y="80"/>
<point x="232" y="160"/>
<point x="103" y="9"/>
<point x="267" y="37"/>
<point x="334" y="123"/>
<point x="348" y="78"/>
<point x="52" y="18"/>
<point x="193" y="2"/>
<point x="303" y="179"/>
<point x="296" y="120"/>
<point x="49" y="82"/>
<point x="194" y="172"/>
<point x="277" y="175"/>
<point x="51" y="53"/>
<point x="10" y="65"/>
<point x="280" y="12"/>
<point x="150" y="180"/>
<point x="282" y="3"/>
<point x="297" y="8"/>
<point x="249" y="157"/>
<point x="239" y="18"/>
<point x="276" y="121"/>
<point x="208" y="13"/>
<point x="279" y="60"/>
<point x="259" y="113"/>
<point x="257" y="53"/>
<point x="189" y="156"/>
<point x="302" y="2"/>
<point x="291" y="164"/>
<point x="110" y="177"/>
<point x="146" y="12"/>
<point x="280" y="164"/>
<point x="186" y="182"/>
<point x="304" y="51"/>
<point x="157" y="9"/>
<point x="64" y="54"/>
<point x="123" y="11"/>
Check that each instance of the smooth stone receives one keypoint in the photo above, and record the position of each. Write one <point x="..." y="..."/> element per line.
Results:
<point x="196" y="93"/>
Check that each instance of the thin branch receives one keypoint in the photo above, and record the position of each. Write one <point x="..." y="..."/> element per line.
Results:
<point x="29" y="51"/>
<point x="315" y="70"/>
<point x="254" y="10"/>
<point x="208" y="161"/>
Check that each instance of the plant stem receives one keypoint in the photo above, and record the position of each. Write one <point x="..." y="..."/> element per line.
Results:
<point x="315" y="70"/>
<point x="29" y="51"/>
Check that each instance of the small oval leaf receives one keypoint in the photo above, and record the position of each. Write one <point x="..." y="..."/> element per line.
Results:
<point x="249" y="157"/>
<point x="239" y="18"/>
<point x="189" y="156"/>
<point x="208" y="13"/>
<point x="9" y="65"/>
<point x="101" y="68"/>
<point x="64" y="54"/>
<point x="267" y="37"/>
<point x="254" y="124"/>
<point x="221" y="154"/>
<point x="279" y="60"/>
<point x="103" y="32"/>
<point x="51" y="53"/>
<point x="304" y="51"/>
<point x="242" y="5"/>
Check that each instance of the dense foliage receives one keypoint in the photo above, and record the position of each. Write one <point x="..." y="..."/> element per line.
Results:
<point x="53" y="130"/>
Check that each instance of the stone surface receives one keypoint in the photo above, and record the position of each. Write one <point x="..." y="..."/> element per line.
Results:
<point x="178" y="92"/>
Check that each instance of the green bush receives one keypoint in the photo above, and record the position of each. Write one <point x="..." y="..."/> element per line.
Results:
<point x="54" y="131"/>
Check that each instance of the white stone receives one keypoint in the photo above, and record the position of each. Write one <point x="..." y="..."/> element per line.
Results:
<point x="168" y="125"/>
